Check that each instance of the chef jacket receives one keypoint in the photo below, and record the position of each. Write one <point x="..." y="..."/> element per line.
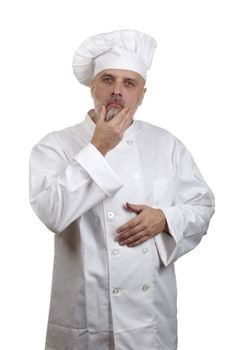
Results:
<point x="106" y="296"/>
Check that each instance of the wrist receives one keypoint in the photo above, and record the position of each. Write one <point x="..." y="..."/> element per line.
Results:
<point x="165" y="225"/>
<point x="166" y="229"/>
<point x="101" y="148"/>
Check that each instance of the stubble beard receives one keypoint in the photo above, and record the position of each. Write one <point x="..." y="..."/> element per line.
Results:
<point x="111" y="113"/>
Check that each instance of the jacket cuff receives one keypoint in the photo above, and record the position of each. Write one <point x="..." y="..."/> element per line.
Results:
<point x="168" y="245"/>
<point x="99" y="170"/>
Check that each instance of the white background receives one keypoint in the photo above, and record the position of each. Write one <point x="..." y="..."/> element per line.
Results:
<point x="190" y="89"/>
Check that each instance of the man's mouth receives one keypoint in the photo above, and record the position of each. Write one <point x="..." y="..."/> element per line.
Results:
<point x="114" y="104"/>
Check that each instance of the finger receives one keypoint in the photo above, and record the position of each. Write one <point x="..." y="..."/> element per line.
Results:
<point x="134" y="238"/>
<point x="126" y="121"/>
<point x="135" y="207"/>
<point x="126" y="234"/>
<point x="129" y="225"/>
<point x="140" y="241"/>
<point x="116" y="121"/>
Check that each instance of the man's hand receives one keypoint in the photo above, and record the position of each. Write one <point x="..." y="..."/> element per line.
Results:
<point x="108" y="134"/>
<point x="146" y="224"/>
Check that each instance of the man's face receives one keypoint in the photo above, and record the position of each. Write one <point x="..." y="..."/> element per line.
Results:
<point x="117" y="88"/>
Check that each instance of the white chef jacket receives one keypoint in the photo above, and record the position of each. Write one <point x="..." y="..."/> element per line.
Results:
<point x="103" y="293"/>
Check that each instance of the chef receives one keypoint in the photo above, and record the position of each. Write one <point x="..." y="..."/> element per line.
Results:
<point x="124" y="200"/>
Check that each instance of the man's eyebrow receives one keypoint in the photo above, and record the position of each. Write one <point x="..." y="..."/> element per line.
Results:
<point x="131" y="79"/>
<point x="107" y="75"/>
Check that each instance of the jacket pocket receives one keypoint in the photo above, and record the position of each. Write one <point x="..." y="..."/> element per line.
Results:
<point x="65" y="338"/>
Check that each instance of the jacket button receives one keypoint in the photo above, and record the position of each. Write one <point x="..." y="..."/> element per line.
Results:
<point x="136" y="175"/>
<point x="145" y="250"/>
<point x="115" y="291"/>
<point x="145" y="288"/>
<point x="129" y="142"/>
<point x="111" y="215"/>
<point x="115" y="251"/>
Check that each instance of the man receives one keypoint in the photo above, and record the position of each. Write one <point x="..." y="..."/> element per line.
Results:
<point x="125" y="200"/>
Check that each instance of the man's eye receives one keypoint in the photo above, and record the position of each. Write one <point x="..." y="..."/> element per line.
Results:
<point x="107" y="79"/>
<point x="129" y="83"/>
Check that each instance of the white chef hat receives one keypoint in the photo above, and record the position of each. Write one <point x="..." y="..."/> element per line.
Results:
<point x="121" y="49"/>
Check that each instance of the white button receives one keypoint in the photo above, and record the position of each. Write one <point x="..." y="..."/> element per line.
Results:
<point x="129" y="142"/>
<point x="145" y="250"/>
<point x="111" y="215"/>
<point x="115" y="251"/>
<point x="136" y="175"/>
<point x="145" y="288"/>
<point x="115" y="291"/>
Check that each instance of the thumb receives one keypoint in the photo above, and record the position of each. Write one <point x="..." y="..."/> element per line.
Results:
<point x="134" y="207"/>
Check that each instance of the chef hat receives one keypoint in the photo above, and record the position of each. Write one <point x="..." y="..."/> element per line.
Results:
<point x="121" y="49"/>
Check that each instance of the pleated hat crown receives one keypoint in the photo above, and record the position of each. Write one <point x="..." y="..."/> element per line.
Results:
<point x="121" y="49"/>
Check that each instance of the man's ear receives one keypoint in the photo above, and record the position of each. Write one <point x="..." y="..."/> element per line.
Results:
<point x="142" y="97"/>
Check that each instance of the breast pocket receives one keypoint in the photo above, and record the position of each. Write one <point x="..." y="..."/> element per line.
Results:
<point x="162" y="193"/>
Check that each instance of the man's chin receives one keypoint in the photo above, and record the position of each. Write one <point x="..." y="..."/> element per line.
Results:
<point x="112" y="111"/>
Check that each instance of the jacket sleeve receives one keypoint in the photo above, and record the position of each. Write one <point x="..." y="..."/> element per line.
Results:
<point x="190" y="211"/>
<point x="61" y="190"/>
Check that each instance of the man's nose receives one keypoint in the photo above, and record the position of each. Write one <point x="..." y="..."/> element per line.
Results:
<point x="117" y="89"/>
